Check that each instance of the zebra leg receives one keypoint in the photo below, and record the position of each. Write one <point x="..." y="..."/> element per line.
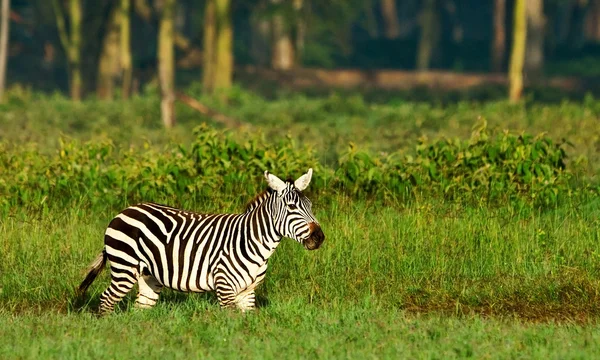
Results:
<point x="229" y="295"/>
<point x="149" y="291"/>
<point x="246" y="300"/>
<point x="122" y="280"/>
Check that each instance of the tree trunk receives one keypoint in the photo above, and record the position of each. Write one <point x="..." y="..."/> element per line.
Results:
<point x="577" y="30"/>
<point x="71" y="42"/>
<point x="75" y="49"/>
<point x="429" y="34"/>
<point x="282" y="56"/>
<point x="390" y="19"/>
<point x="564" y="14"/>
<point x="499" y="43"/>
<point x="592" y="22"/>
<point x="517" y="57"/>
<point x="210" y="31"/>
<point x="300" y="30"/>
<point x="261" y="35"/>
<point x="166" y="63"/>
<point x="4" y="31"/>
<point x="126" y="62"/>
<point x="534" y="52"/>
<point x="371" y="20"/>
<point x="142" y="9"/>
<point x="224" y="46"/>
<point x="108" y="64"/>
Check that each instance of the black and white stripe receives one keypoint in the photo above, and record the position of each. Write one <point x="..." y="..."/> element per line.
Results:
<point x="160" y="246"/>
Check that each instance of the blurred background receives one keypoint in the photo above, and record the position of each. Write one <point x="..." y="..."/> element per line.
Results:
<point x="109" y="48"/>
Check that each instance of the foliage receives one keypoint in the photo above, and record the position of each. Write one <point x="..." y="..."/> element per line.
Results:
<point x="98" y="172"/>
<point x="487" y="167"/>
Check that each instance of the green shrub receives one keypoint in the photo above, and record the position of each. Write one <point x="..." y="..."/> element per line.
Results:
<point x="97" y="172"/>
<point x="486" y="167"/>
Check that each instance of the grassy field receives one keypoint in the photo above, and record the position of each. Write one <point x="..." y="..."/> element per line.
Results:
<point x="428" y="278"/>
<point x="194" y="330"/>
<point x="426" y="281"/>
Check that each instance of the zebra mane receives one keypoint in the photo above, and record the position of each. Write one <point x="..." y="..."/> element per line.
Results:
<point x="257" y="200"/>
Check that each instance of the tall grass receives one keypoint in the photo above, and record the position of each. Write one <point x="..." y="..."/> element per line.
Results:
<point x="427" y="257"/>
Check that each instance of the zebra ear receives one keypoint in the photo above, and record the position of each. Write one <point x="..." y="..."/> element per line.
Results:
<point x="302" y="182"/>
<point x="274" y="182"/>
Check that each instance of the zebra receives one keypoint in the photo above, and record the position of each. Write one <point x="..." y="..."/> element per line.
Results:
<point x="160" y="246"/>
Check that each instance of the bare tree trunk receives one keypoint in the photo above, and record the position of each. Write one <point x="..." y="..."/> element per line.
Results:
<point x="371" y="19"/>
<point x="390" y="19"/>
<point x="166" y="63"/>
<point x="108" y="64"/>
<point x="4" y="32"/>
<point x="210" y="34"/>
<point x="534" y="52"/>
<point x="261" y="35"/>
<point x="224" y="46"/>
<point x="282" y="56"/>
<point x="517" y="58"/>
<point x="218" y="46"/>
<point x="592" y="21"/>
<point x="142" y="9"/>
<point x="499" y="44"/>
<point x="429" y="34"/>
<point x="126" y="62"/>
<point x="71" y="42"/>
<point x="300" y="31"/>
<point x="75" y="49"/>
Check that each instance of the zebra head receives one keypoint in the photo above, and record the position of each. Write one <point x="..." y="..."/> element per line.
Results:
<point x="292" y="213"/>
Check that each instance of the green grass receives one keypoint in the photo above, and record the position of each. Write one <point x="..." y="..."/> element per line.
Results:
<point x="385" y="123"/>
<point x="194" y="330"/>
<point x="426" y="280"/>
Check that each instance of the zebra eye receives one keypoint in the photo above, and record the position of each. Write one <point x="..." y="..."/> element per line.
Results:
<point x="292" y="206"/>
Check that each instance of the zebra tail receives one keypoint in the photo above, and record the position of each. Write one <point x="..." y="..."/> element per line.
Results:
<point x="93" y="270"/>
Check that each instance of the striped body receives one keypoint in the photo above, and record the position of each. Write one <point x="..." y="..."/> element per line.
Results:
<point x="160" y="246"/>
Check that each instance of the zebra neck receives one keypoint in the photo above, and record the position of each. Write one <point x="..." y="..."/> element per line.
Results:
<point x="261" y="229"/>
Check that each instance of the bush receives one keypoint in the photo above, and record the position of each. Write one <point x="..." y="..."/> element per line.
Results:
<point x="97" y="172"/>
<point x="486" y="168"/>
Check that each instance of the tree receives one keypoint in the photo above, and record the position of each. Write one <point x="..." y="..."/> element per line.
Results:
<point x="71" y="42"/>
<point x="166" y="62"/>
<point x="109" y="66"/>
<point x="391" y="23"/>
<point x="592" y="21"/>
<point x="517" y="57"/>
<point x="218" y="46"/>
<point x="224" y="46"/>
<point x="210" y="30"/>
<point x="499" y="44"/>
<point x="300" y="32"/>
<point x="534" y="52"/>
<point x="282" y="54"/>
<point x="4" y="31"/>
<point x="126" y="63"/>
<point x="429" y="34"/>
<point x="260" y="35"/>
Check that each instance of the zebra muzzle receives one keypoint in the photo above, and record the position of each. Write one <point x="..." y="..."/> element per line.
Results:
<point x="316" y="237"/>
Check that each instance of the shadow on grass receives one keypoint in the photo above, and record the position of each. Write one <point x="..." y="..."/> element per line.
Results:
<point x="91" y="302"/>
